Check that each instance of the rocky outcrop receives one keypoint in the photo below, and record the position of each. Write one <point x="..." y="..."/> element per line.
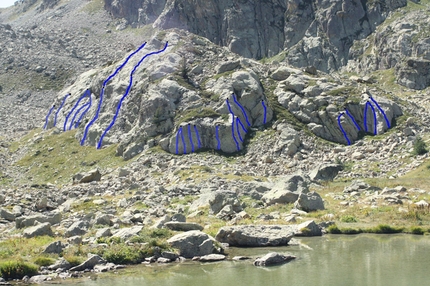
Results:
<point x="312" y="33"/>
<point x="255" y="235"/>
<point x="287" y="190"/>
<point x="308" y="202"/>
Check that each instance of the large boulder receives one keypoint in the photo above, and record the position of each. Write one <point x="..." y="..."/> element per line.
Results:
<point x="89" y="263"/>
<point x="77" y="228"/>
<point x="255" y="235"/>
<point x="325" y="172"/>
<point x="183" y="226"/>
<point x="38" y="230"/>
<point x="273" y="258"/>
<point x="287" y="190"/>
<point x="308" y="228"/>
<point x="90" y="176"/>
<point x="220" y="199"/>
<point x="192" y="243"/>
<point x="127" y="232"/>
<point x="311" y="201"/>
<point x="26" y="221"/>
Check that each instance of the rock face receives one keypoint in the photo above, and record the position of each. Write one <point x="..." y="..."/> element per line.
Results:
<point x="273" y="258"/>
<point x="192" y="243"/>
<point x="255" y="235"/>
<point x="313" y="34"/>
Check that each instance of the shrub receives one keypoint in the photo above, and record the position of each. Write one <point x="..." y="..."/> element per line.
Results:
<point x="383" y="228"/>
<point x="348" y="219"/>
<point x="417" y="230"/>
<point x="333" y="229"/>
<point x="420" y="147"/>
<point x="349" y="230"/>
<point x="17" y="269"/>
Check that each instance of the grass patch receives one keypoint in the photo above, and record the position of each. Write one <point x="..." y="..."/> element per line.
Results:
<point x="93" y="6"/>
<point x="16" y="247"/>
<point x="44" y="260"/>
<point x="56" y="158"/>
<point x="192" y="114"/>
<point x="17" y="269"/>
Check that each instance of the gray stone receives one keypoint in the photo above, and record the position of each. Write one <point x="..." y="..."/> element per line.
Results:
<point x="163" y="260"/>
<point x="183" y="226"/>
<point x="192" y="243"/>
<point x="227" y="66"/>
<point x="281" y="73"/>
<point x="325" y="172"/>
<point x="89" y="263"/>
<point x="55" y="247"/>
<point x="308" y="228"/>
<point x="90" y="176"/>
<point x="38" y="230"/>
<point x="104" y="267"/>
<point x="125" y="233"/>
<point x="103" y="232"/>
<point x="172" y="256"/>
<point x="75" y="240"/>
<point x="53" y="219"/>
<point x="255" y="235"/>
<point x="77" y="228"/>
<point x="7" y="215"/>
<point x="273" y="258"/>
<point x="309" y="202"/>
<point x="179" y="217"/>
<point x="60" y="263"/>
<point x="212" y="258"/>
<point x="220" y="199"/>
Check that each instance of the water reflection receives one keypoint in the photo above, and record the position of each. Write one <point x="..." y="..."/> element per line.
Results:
<point x="328" y="260"/>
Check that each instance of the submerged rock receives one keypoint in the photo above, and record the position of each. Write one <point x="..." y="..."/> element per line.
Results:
<point x="273" y="258"/>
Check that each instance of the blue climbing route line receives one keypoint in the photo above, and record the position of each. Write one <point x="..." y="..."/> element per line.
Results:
<point x="234" y="136"/>
<point x="353" y="119"/>
<point x="96" y="116"/>
<point x="375" y="120"/>
<point x="241" y="125"/>
<point x="198" y="137"/>
<point x="177" y="140"/>
<point x="382" y="111"/>
<point x="86" y="93"/>
<point x="237" y="128"/>
<point x="59" y="108"/>
<point x="190" y="137"/>
<point x="183" y="141"/>
<point x="217" y="137"/>
<point x="47" y="116"/>
<point x="127" y="92"/>
<point x="85" y="111"/>
<point x="243" y="109"/>
<point x="265" y="111"/>
<point x="73" y="122"/>
<point x="229" y="107"/>
<point x="341" y="128"/>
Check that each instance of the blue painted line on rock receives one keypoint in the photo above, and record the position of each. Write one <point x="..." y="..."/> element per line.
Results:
<point x="241" y="125"/>
<point x="127" y="92"/>
<point x="237" y="128"/>
<point x="375" y="120"/>
<point x="183" y="141"/>
<point x="229" y="107"/>
<point x="265" y="112"/>
<point x="217" y="138"/>
<point x="177" y="140"/>
<point x="243" y="109"/>
<point x="190" y="137"/>
<point x="59" y="108"/>
<point x="234" y="136"/>
<point x="85" y="111"/>
<point x="198" y="137"/>
<point x="341" y="128"/>
<point x="47" y="116"/>
<point x="73" y="122"/>
<point x="353" y="119"/>
<point x="382" y="111"/>
<point x="86" y="93"/>
<point x="96" y="116"/>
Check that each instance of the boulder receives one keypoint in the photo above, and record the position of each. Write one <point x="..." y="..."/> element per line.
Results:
<point x="287" y="190"/>
<point x="183" y="226"/>
<point x="90" y="176"/>
<point x="55" y="247"/>
<point x="89" y="263"/>
<point x="7" y="215"/>
<point x="308" y="228"/>
<point x="125" y="233"/>
<point x="192" y="243"/>
<point x="220" y="199"/>
<point x="60" y="263"/>
<point x="273" y="258"/>
<point x="212" y="257"/>
<point x="255" y="235"/>
<point x="77" y="228"/>
<point x="325" y="172"/>
<point x="309" y="202"/>
<point x="38" y="230"/>
<point x="26" y="221"/>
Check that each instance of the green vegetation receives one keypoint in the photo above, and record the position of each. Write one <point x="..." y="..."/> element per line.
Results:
<point x="192" y="114"/>
<point x="17" y="269"/>
<point x="381" y="228"/>
<point x="93" y="6"/>
<point x="420" y="147"/>
<point x="57" y="157"/>
<point x="44" y="261"/>
<point x="348" y="219"/>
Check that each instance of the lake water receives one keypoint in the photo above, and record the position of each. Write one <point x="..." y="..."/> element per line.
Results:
<point x="329" y="260"/>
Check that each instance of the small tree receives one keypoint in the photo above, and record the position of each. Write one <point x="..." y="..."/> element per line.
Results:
<point x="420" y="147"/>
